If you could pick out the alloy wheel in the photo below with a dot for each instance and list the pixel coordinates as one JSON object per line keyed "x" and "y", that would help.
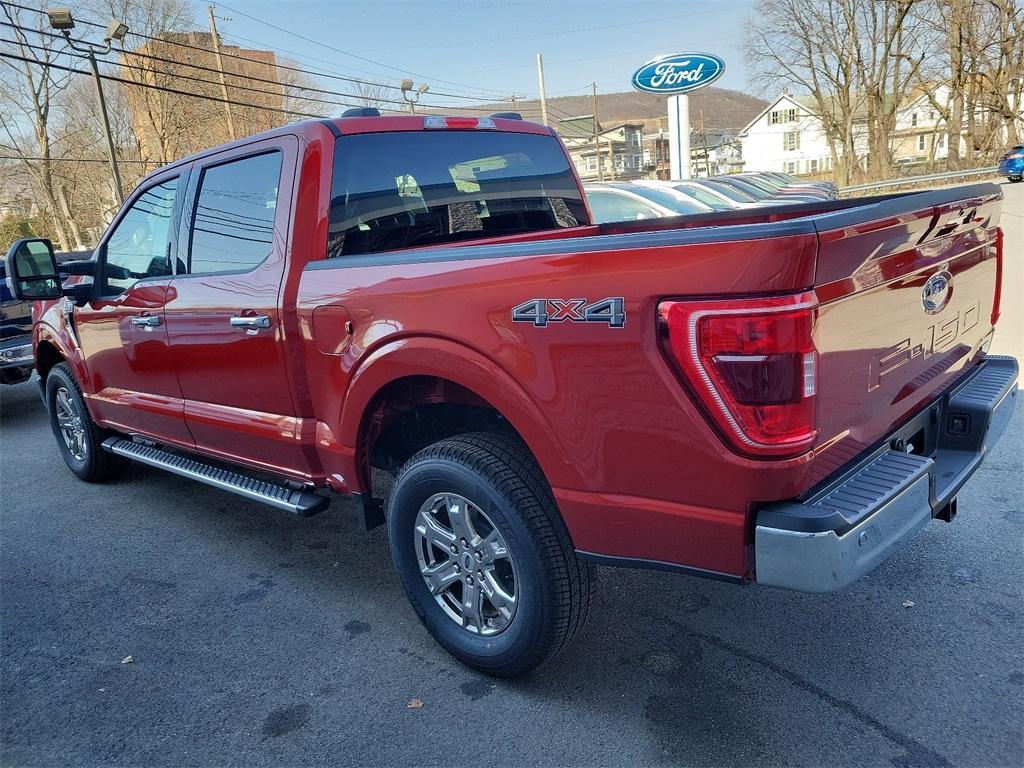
{"x": 466, "y": 564}
{"x": 71, "y": 424}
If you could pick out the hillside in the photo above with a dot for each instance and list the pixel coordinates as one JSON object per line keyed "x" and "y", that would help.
{"x": 724, "y": 110}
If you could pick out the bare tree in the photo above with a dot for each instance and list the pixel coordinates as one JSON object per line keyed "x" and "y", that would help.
{"x": 28, "y": 88}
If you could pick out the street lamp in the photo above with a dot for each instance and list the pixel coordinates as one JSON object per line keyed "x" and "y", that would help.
{"x": 407, "y": 89}
{"x": 62, "y": 21}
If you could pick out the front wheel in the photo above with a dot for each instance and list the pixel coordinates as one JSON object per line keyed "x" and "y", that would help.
{"x": 484, "y": 555}
{"x": 1014, "y": 179}
{"x": 78, "y": 437}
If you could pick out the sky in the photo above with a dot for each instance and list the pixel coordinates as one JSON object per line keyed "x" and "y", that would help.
{"x": 488, "y": 49}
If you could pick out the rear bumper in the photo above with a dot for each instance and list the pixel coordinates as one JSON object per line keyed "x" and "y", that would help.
{"x": 1011, "y": 167}
{"x": 843, "y": 530}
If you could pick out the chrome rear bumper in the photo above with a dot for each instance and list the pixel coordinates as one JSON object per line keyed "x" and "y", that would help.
{"x": 845, "y": 529}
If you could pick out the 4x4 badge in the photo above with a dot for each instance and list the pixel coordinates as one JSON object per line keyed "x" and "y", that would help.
{"x": 541, "y": 312}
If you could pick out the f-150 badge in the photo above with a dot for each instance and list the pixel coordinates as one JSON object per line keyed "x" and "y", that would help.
{"x": 541, "y": 312}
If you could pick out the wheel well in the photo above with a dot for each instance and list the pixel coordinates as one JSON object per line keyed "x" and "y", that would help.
{"x": 47, "y": 356}
{"x": 413, "y": 412}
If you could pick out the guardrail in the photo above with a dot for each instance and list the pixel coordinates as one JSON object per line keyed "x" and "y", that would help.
{"x": 916, "y": 180}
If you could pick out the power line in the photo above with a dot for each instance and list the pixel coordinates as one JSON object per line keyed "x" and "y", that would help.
{"x": 346, "y": 53}
{"x": 165, "y": 89}
{"x": 359, "y": 99}
{"x": 225, "y": 54}
{"x": 72, "y": 159}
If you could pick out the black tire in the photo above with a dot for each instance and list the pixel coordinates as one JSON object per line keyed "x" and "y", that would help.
{"x": 1014, "y": 179}
{"x": 498, "y": 475}
{"x": 94, "y": 465}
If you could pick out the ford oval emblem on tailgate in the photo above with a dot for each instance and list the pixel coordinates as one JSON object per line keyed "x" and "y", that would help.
{"x": 936, "y": 292}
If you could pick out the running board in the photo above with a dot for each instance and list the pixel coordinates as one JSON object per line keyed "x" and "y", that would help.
{"x": 280, "y": 495}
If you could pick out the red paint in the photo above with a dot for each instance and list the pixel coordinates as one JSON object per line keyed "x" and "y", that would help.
{"x": 637, "y": 468}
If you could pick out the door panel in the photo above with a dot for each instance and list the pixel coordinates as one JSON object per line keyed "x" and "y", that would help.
{"x": 133, "y": 384}
{"x": 223, "y": 318}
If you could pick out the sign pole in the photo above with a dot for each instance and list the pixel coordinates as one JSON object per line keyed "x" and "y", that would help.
{"x": 679, "y": 136}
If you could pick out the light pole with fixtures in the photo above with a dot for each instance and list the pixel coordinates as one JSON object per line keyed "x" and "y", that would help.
{"x": 407, "y": 90}
{"x": 62, "y": 21}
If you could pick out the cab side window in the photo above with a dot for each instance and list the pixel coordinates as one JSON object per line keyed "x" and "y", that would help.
{"x": 137, "y": 248}
{"x": 233, "y": 221}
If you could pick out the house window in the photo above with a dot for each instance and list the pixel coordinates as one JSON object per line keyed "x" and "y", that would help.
{"x": 591, "y": 162}
{"x": 940, "y": 141}
{"x": 791, "y": 141}
{"x": 931, "y": 116}
{"x": 782, "y": 116}
{"x": 920, "y": 142}
{"x": 790, "y": 166}
{"x": 913, "y": 119}
{"x": 813, "y": 167}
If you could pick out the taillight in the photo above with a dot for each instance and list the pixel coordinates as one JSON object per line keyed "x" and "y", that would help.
{"x": 752, "y": 365}
{"x": 997, "y": 299}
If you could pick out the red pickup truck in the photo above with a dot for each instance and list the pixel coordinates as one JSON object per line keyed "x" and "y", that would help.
{"x": 779, "y": 396}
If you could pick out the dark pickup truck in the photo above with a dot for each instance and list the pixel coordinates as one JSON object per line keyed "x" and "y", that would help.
{"x": 778, "y": 396}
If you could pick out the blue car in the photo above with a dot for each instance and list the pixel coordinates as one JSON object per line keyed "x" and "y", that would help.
{"x": 1012, "y": 164}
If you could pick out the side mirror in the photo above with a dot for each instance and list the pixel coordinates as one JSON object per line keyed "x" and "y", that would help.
{"x": 32, "y": 270}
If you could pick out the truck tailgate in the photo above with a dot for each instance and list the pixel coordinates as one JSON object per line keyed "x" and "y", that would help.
{"x": 907, "y": 290}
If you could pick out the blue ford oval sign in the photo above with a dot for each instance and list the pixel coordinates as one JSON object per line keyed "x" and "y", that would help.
{"x": 678, "y": 73}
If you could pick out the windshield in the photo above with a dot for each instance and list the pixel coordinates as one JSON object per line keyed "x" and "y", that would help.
{"x": 751, "y": 189}
{"x": 731, "y": 192}
{"x": 671, "y": 200}
{"x": 402, "y": 190}
{"x": 703, "y": 196}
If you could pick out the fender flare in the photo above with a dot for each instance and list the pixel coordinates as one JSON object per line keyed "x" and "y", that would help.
{"x": 44, "y": 332}
{"x": 462, "y": 365}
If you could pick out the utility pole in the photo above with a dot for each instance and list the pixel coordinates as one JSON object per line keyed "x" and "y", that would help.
{"x": 597, "y": 141}
{"x": 102, "y": 104}
{"x": 543, "y": 95}
{"x": 704, "y": 140}
{"x": 62, "y": 21}
{"x": 220, "y": 73}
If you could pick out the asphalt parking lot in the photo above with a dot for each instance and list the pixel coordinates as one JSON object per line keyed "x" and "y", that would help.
{"x": 260, "y": 639}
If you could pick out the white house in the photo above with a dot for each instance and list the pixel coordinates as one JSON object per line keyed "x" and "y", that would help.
{"x": 920, "y": 134}
{"x": 788, "y": 136}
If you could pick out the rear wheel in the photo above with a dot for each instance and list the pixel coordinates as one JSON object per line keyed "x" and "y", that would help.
{"x": 484, "y": 555}
{"x": 1015, "y": 179}
{"x": 78, "y": 437}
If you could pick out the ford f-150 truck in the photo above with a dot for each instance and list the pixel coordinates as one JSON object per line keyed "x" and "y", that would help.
{"x": 778, "y": 396}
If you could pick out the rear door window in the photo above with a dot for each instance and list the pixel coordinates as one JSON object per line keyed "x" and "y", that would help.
{"x": 233, "y": 224}
{"x": 409, "y": 189}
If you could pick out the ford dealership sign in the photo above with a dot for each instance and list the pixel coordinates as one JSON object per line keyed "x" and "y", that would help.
{"x": 678, "y": 73}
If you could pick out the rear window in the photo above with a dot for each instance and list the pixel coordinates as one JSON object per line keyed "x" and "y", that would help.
{"x": 403, "y": 190}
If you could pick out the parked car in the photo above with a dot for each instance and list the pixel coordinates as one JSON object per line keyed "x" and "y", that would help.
{"x": 760, "y": 192}
{"x": 775, "y": 189}
{"x": 709, "y": 198}
{"x": 677, "y": 202}
{"x": 829, "y": 187}
{"x": 16, "y": 360}
{"x": 769, "y": 181}
{"x": 742, "y": 198}
{"x": 428, "y": 296}
{"x": 1012, "y": 164}
{"x": 608, "y": 204}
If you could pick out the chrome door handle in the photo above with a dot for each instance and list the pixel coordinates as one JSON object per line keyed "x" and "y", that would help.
{"x": 149, "y": 321}
{"x": 254, "y": 321}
